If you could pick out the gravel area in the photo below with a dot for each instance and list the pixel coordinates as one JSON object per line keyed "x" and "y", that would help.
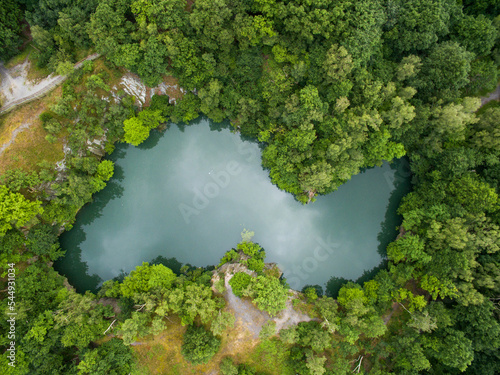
{"x": 250, "y": 317}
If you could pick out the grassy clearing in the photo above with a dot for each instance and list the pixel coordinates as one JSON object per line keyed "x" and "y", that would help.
{"x": 161, "y": 354}
{"x": 29, "y": 147}
{"x": 34, "y": 72}
{"x": 18, "y": 59}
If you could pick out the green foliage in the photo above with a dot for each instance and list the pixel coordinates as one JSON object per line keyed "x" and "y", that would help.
{"x": 310, "y": 294}
{"x": 289, "y": 335}
{"x": 112, "y": 357}
{"x": 312, "y": 335}
{"x": 16, "y": 210}
{"x": 105, "y": 170}
{"x": 227, "y": 367}
{"x": 137, "y": 128}
{"x": 327, "y": 308}
{"x": 58, "y": 29}
{"x": 229, "y": 256}
{"x": 315, "y": 364}
{"x": 409, "y": 249}
{"x": 476, "y": 34}
{"x": 16, "y": 179}
{"x": 147, "y": 278}
{"x": 358, "y": 317}
{"x": 199, "y": 345}
{"x": 445, "y": 71}
{"x": 417, "y": 25}
{"x": 161, "y": 103}
{"x": 220, "y": 285}
{"x": 451, "y": 348}
{"x": 334, "y": 285}
{"x": 81, "y": 320}
{"x": 239, "y": 283}
{"x": 187, "y": 109}
{"x": 268, "y": 330}
{"x": 249, "y": 248}
{"x": 415, "y": 302}
{"x": 328, "y": 87}
{"x": 10, "y": 28}
{"x": 221, "y": 322}
{"x": 197, "y": 301}
{"x": 135, "y": 327}
{"x": 268, "y": 294}
{"x": 42, "y": 240}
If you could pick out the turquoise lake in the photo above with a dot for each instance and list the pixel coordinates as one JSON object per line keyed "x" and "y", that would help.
{"x": 188, "y": 193}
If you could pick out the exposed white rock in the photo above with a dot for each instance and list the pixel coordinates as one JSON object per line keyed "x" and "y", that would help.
{"x": 132, "y": 85}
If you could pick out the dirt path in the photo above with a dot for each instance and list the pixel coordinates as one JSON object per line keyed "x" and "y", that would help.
{"x": 252, "y": 319}
{"x": 247, "y": 315}
{"x": 17, "y": 89}
{"x": 24, "y": 125}
{"x": 495, "y": 95}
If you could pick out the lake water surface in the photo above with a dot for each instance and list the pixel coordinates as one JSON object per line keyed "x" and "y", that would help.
{"x": 190, "y": 191}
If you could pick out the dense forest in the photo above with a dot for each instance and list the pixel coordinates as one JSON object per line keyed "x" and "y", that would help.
{"x": 327, "y": 87}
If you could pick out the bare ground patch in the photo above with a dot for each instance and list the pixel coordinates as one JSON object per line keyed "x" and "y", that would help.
{"x": 250, "y": 318}
{"x": 22, "y": 137}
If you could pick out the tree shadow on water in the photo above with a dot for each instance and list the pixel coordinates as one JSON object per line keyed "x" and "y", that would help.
{"x": 171, "y": 263}
{"x": 402, "y": 187}
{"x": 333, "y": 286}
{"x": 72, "y": 266}
{"x": 113, "y": 190}
{"x": 183, "y": 125}
{"x": 219, "y": 126}
{"x": 153, "y": 139}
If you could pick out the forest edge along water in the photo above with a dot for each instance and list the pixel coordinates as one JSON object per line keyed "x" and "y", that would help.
{"x": 186, "y": 194}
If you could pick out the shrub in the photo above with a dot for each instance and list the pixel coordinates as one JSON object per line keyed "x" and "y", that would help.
{"x": 227, "y": 367}
{"x": 239, "y": 282}
{"x": 219, "y": 286}
{"x": 310, "y": 294}
{"x": 268, "y": 330}
{"x": 199, "y": 345}
{"x": 289, "y": 335}
{"x": 268, "y": 294}
{"x": 228, "y": 257}
{"x": 256, "y": 265}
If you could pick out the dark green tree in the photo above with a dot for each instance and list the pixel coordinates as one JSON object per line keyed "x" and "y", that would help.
{"x": 199, "y": 345}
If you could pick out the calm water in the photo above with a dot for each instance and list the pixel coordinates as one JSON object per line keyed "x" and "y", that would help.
{"x": 190, "y": 191}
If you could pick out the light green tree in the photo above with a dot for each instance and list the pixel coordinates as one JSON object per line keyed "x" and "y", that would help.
{"x": 268, "y": 294}
{"x": 16, "y": 210}
{"x": 221, "y": 322}
{"x": 137, "y": 128}
{"x": 146, "y": 278}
